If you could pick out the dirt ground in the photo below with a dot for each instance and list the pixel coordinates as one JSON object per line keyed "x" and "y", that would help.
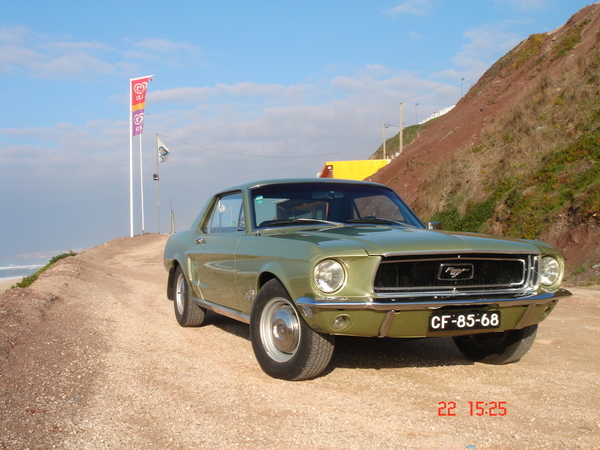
{"x": 92, "y": 358}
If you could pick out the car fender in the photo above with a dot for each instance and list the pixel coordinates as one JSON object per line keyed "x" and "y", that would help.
{"x": 273, "y": 269}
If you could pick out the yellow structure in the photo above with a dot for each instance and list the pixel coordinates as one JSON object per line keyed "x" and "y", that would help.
{"x": 352, "y": 170}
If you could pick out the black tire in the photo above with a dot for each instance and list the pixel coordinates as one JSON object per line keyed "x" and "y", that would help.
{"x": 284, "y": 345}
{"x": 497, "y": 348}
{"x": 187, "y": 312}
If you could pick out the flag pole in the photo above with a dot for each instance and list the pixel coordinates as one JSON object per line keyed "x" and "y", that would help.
{"x": 137, "y": 97}
{"x": 157, "y": 186}
{"x": 130, "y": 163}
{"x": 142, "y": 187}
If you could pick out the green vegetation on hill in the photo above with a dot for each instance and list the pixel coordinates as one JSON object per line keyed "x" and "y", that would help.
{"x": 28, "y": 281}
{"x": 527, "y": 205}
{"x": 533, "y": 163}
{"x": 408, "y": 134}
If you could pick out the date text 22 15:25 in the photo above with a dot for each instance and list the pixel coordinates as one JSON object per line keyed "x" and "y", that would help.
{"x": 492, "y": 409}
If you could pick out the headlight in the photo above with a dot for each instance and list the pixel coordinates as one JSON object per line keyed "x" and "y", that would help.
{"x": 329, "y": 276}
{"x": 550, "y": 271}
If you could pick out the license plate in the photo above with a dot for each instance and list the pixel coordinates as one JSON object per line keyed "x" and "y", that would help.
{"x": 478, "y": 320}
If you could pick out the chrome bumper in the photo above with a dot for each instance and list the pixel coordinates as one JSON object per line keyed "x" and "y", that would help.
{"x": 432, "y": 303}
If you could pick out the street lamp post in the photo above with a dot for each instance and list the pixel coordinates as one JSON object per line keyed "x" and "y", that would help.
{"x": 383, "y": 127}
{"x": 172, "y": 218}
{"x": 461, "y": 87}
{"x": 400, "y": 134}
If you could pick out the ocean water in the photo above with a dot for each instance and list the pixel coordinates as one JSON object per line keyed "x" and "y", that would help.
{"x": 20, "y": 266}
{"x": 18, "y": 271}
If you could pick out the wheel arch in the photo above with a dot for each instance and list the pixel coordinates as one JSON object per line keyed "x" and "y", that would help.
{"x": 265, "y": 277}
{"x": 274, "y": 271}
{"x": 292, "y": 277}
{"x": 171, "y": 280}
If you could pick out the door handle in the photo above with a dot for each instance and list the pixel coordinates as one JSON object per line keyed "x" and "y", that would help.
{"x": 200, "y": 241}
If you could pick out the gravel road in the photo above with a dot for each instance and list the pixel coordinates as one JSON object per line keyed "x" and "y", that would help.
{"x": 92, "y": 358}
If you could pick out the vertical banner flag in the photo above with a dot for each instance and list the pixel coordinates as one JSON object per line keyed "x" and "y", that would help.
{"x": 139, "y": 86}
{"x": 163, "y": 152}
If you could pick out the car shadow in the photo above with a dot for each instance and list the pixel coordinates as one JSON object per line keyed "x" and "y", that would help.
{"x": 388, "y": 353}
{"x": 227, "y": 324}
{"x": 371, "y": 353}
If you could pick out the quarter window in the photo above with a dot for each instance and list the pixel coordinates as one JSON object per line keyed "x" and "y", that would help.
{"x": 227, "y": 215}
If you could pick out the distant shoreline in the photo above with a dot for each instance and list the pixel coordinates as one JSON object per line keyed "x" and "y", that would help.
{"x": 6, "y": 284}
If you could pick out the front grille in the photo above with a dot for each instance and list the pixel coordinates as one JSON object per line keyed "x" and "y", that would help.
{"x": 457, "y": 273}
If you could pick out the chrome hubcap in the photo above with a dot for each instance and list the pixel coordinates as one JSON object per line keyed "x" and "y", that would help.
{"x": 180, "y": 294}
{"x": 280, "y": 329}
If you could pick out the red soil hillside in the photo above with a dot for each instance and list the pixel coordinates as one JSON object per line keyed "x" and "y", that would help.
{"x": 539, "y": 98}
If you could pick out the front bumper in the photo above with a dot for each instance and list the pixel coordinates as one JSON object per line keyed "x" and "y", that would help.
{"x": 409, "y": 317}
{"x": 431, "y": 303}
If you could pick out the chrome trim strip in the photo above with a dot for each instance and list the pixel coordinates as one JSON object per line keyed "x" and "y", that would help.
{"x": 434, "y": 293}
{"x": 465, "y": 252}
{"x": 224, "y": 311}
{"x": 420, "y": 291}
{"x": 435, "y": 303}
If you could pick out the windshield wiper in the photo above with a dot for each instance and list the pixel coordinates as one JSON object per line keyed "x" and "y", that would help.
{"x": 301, "y": 221}
{"x": 379, "y": 221}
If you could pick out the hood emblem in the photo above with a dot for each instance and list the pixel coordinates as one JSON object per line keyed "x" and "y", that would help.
{"x": 455, "y": 272}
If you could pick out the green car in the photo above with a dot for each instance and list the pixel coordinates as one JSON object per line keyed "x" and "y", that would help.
{"x": 304, "y": 260}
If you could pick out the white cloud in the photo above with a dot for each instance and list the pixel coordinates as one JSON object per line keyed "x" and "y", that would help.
{"x": 164, "y": 46}
{"x": 391, "y": 88}
{"x": 14, "y": 57}
{"x": 263, "y": 92}
{"x": 13, "y": 35}
{"x": 62, "y": 47}
{"x": 272, "y": 91}
{"x": 524, "y": 5}
{"x": 416, "y": 7}
{"x": 487, "y": 43}
{"x": 184, "y": 94}
{"x": 71, "y": 65}
{"x": 163, "y": 51}
{"x": 43, "y": 56}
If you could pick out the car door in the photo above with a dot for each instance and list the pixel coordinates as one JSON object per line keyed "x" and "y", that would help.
{"x": 213, "y": 263}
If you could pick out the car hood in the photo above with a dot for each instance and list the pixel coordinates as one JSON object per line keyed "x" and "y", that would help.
{"x": 384, "y": 240}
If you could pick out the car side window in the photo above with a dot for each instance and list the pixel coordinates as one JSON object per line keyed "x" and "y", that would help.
{"x": 227, "y": 215}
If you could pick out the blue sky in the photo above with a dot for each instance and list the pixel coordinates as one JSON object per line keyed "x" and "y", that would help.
{"x": 242, "y": 90}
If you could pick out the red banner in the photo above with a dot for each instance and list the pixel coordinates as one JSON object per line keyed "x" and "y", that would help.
{"x": 139, "y": 87}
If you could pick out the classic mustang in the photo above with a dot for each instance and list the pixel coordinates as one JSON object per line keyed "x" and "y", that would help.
{"x": 304, "y": 260}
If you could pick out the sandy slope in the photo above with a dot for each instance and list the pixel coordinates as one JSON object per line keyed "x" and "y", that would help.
{"x": 4, "y": 285}
{"x": 92, "y": 357}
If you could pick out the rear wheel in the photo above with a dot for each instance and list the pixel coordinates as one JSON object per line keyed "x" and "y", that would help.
{"x": 187, "y": 312}
{"x": 497, "y": 348}
{"x": 284, "y": 345}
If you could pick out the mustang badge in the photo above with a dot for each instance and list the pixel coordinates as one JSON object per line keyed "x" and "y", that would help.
{"x": 455, "y": 272}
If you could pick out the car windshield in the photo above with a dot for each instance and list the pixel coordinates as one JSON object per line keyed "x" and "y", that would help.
{"x": 288, "y": 204}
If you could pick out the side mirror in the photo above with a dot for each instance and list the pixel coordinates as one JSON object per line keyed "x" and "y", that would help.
{"x": 434, "y": 225}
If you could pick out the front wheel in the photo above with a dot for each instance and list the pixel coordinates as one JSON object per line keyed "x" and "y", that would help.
{"x": 187, "y": 312}
{"x": 284, "y": 345}
{"x": 497, "y": 348}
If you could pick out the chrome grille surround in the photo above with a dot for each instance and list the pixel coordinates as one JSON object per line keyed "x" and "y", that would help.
{"x": 456, "y": 274}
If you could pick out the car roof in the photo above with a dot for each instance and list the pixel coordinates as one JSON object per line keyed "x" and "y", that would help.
{"x": 253, "y": 184}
